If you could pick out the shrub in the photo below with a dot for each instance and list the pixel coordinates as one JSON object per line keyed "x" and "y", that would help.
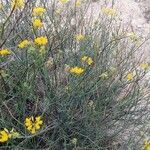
{"x": 68, "y": 80}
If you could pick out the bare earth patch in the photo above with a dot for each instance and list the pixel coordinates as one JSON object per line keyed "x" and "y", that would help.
{"x": 136, "y": 15}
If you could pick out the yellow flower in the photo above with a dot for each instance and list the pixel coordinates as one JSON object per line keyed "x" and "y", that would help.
{"x": 38, "y": 11}
{"x": 33, "y": 124}
{"x": 4, "y": 136}
{"x": 78, "y": 3}
{"x": 12, "y": 134}
{"x": 109, "y": 11}
{"x": 76, "y": 70}
{"x": 130, "y": 76}
{"x": 132, "y": 36}
{"x": 17, "y": 3}
{"x": 84, "y": 58}
{"x": 104, "y": 75}
{"x": 42, "y": 40}
{"x": 146, "y": 145}
{"x": 74, "y": 141}
{"x": 4, "y": 52}
{"x": 87, "y": 59}
{"x": 79, "y": 37}
{"x": 23, "y": 44}
{"x": 144, "y": 65}
{"x": 37, "y": 23}
{"x": 64, "y": 1}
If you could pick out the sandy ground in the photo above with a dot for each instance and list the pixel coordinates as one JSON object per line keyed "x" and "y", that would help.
{"x": 133, "y": 13}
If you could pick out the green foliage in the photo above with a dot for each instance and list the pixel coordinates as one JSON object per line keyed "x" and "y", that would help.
{"x": 85, "y": 111}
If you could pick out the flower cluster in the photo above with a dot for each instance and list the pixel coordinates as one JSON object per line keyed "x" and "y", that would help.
{"x": 133, "y": 37}
{"x": 144, "y": 65}
{"x": 23, "y": 44}
{"x": 64, "y": 1}
{"x": 87, "y": 59}
{"x": 146, "y": 145}
{"x": 33, "y": 124}
{"x": 42, "y": 40}
{"x": 130, "y": 76}
{"x": 5, "y": 135}
{"x": 4, "y": 52}
{"x": 79, "y": 37}
{"x": 78, "y": 3}
{"x": 76, "y": 70}
{"x": 109, "y": 11}
{"x": 37, "y": 23}
{"x": 38, "y": 11}
{"x": 17, "y": 3}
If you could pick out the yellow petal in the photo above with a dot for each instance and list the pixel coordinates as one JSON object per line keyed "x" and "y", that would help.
{"x": 28, "y": 120}
{"x": 28, "y": 124}
{"x": 4, "y": 136}
{"x": 29, "y": 128}
{"x": 33, "y": 131}
{"x": 37, "y": 126}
